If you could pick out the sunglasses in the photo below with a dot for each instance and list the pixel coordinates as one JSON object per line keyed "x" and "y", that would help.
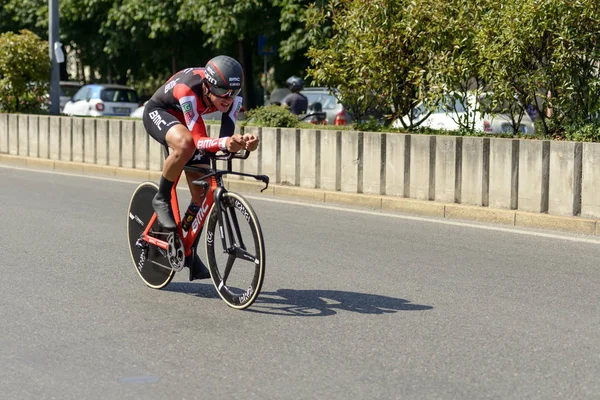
{"x": 224, "y": 93}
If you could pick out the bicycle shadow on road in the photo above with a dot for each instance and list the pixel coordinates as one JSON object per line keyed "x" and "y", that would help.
{"x": 205, "y": 291}
{"x": 309, "y": 303}
{"x": 321, "y": 303}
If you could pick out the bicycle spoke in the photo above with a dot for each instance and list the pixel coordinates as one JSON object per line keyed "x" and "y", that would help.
{"x": 230, "y": 261}
{"x": 244, "y": 255}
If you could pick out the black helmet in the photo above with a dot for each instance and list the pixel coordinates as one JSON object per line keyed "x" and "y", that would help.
{"x": 295, "y": 83}
{"x": 224, "y": 76}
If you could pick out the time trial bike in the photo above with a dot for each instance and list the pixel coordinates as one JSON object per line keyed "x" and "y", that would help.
{"x": 233, "y": 236}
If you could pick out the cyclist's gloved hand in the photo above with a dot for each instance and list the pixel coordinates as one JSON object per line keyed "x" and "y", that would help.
{"x": 235, "y": 143}
{"x": 251, "y": 142}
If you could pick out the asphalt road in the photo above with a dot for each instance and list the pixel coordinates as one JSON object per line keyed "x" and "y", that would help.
{"x": 355, "y": 305}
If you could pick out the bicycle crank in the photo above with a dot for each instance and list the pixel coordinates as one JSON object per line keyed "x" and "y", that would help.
{"x": 175, "y": 252}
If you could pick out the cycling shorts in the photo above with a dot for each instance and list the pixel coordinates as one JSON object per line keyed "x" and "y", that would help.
{"x": 157, "y": 121}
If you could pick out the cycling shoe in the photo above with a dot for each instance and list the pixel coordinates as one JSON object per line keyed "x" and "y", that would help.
{"x": 164, "y": 213}
{"x": 198, "y": 270}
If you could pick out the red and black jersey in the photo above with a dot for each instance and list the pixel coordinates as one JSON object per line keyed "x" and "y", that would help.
{"x": 182, "y": 96}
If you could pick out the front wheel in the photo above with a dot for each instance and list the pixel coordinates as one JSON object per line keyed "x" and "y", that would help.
{"x": 240, "y": 242}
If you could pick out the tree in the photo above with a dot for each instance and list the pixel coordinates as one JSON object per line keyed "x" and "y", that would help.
{"x": 546, "y": 55}
{"x": 24, "y": 14}
{"x": 456, "y": 64}
{"x": 375, "y": 55}
{"x": 24, "y": 71}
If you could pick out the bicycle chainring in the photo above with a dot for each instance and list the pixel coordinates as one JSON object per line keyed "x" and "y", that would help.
{"x": 175, "y": 253}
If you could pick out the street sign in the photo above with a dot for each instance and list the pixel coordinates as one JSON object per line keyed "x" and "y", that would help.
{"x": 264, "y": 47}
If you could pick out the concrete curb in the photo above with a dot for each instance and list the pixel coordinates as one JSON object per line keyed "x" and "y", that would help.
{"x": 378, "y": 203}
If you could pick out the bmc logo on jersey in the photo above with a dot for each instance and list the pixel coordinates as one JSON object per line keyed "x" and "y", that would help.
{"x": 170, "y": 85}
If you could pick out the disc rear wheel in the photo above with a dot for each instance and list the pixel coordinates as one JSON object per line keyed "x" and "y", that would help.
{"x": 150, "y": 262}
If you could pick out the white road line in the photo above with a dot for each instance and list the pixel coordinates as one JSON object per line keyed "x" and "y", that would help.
{"x": 432, "y": 220}
{"x": 343, "y": 209}
{"x": 43, "y": 171}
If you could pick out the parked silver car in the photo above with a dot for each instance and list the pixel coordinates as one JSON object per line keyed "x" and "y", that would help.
{"x": 335, "y": 111}
{"x": 103, "y": 100}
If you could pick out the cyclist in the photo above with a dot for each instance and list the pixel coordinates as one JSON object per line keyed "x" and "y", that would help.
{"x": 172, "y": 116}
{"x": 295, "y": 101}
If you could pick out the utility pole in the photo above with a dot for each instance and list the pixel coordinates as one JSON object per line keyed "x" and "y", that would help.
{"x": 54, "y": 47}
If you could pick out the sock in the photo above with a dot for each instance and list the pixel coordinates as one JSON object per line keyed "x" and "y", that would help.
{"x": 164, "y": 189}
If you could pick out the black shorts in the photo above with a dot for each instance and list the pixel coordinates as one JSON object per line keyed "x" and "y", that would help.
{"x": 157, "y": 122}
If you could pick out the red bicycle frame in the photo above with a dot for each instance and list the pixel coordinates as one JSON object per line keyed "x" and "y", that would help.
{"x": 188, "y": 237}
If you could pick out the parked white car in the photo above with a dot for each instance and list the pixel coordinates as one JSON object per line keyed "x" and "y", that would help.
{"x": 103, "y": 100}
{"x": 68, "y": 89}
{"x": 139, "y": 112}
{"x": 450, "y": 110}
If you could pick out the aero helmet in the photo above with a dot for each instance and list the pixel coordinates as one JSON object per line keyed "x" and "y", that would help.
{"x": 295, "y": 83}
{"x": 224, "y": 76}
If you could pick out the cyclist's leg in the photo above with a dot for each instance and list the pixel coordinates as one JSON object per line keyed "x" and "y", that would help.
{"x": 197, "y": 268}
{"x": 167, "y": 129}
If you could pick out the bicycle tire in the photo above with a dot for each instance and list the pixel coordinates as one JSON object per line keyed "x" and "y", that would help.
{"x": 235, "y": 209}
{"x": 150, "y": 262}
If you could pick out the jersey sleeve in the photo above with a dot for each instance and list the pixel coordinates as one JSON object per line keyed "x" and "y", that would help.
{"x": 229, "y": 118}
{"x": 190, "y": 103}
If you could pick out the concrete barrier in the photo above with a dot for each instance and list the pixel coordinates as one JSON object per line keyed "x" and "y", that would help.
{"x": 44, "y": 137}
{"x": 13, "y": 134}
{"x": 475, "y": 171}
{"x": 251, "y": 164}
{"x": 534, "y": 162}
{"x": 447, "y": 169}
{"x": 422, "y": 167}
{"x": 54, "y": 138}
{"x": 529, "y": 176}
{"x": 372, "y": 175}
{"x": 503, "y": 181}
{"x": 127, "y": 144}
{"x": 270, "y": 152}
{"x": 89, "y": 140}
{"x": 23, "y": 135}
{"x": 564, "y": 181}
{"x": 78, "y": 139}
{"x": 4, "y": 129}
{"x": 329, "y": 154}
{"x": 396, "y": 165}
{"x": 102, "y": 142}
{"x": 310, "y": 141}
{"x": 590, "y": 200}
{"x": 350, "y": 161}
{"x": 33, "y": 135}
